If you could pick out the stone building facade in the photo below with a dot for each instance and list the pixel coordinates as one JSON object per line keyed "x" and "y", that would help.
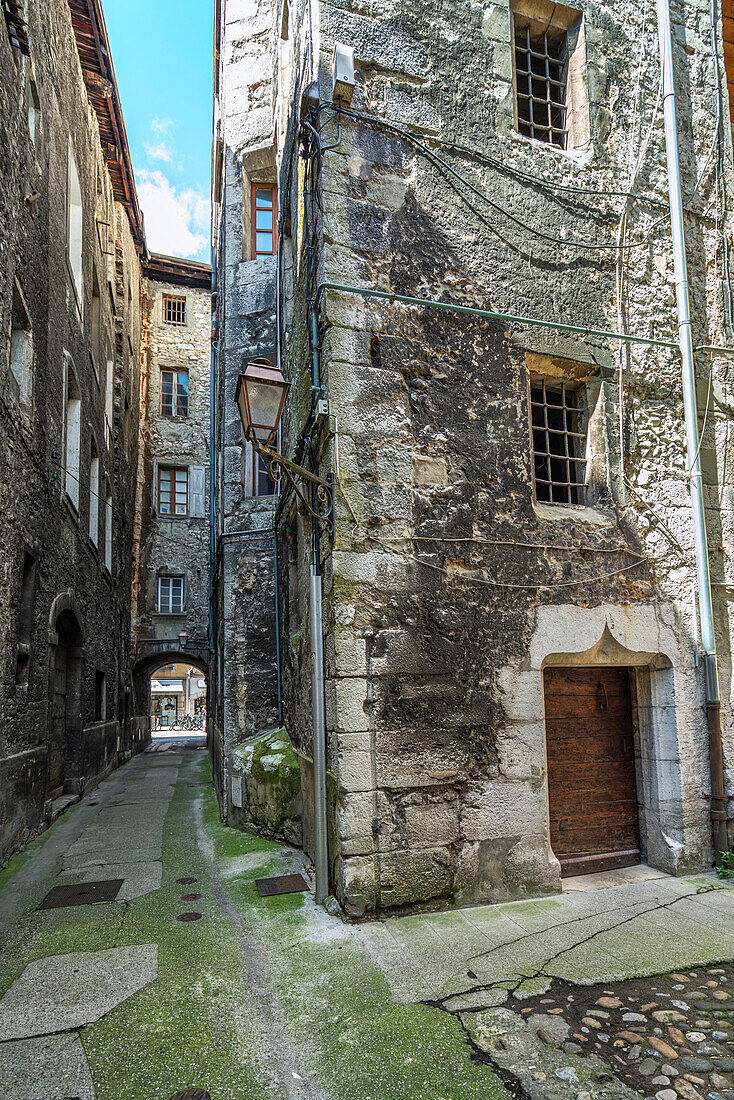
{"x": 71, "y": 238}
{"x": 172, "y": 533}
{"x": 513, "y": 682}
{"x": 244, "y": 668}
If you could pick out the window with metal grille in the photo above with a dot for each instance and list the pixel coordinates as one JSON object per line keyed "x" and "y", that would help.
{"x": 170, "y": 601}
{"x": 174, "y": 393}
{"x": 541, "y": 74}
{"x": 173, "y": 490}
{"x": 174, "y": 309}
{"x": 559, "y": 442}
{"x": 264, "y": 214}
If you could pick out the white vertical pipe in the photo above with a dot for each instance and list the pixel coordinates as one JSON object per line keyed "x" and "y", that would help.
{"x": 321, "y": 851}
{"x": 690, "y": 411}
{"x": 685, "y": 339}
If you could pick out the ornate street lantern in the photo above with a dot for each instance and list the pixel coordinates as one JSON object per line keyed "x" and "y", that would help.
{"x": 261, "y": 394}
{"x": 183, "y": 639}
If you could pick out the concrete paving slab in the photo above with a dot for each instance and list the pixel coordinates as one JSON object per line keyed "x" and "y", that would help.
{"x": 407, "y": 983}
{"x": 50, "y": 1068}
{"x": 62, "y": 992}
{"x": 138, "y": 878}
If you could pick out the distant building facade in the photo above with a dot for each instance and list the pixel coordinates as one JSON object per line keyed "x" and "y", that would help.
{"x": 71, "y": 239}
{"x": 170, "y": 595}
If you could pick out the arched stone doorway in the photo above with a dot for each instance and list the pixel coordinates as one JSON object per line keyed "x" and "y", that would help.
{"x": 65, "y": 721}
{"x": 161, "y": 656}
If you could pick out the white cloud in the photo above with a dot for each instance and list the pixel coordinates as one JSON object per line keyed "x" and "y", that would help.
{"x": 161, "y": 125}
{"x": 176, "y": 220}
{"x": 161, "y": 151}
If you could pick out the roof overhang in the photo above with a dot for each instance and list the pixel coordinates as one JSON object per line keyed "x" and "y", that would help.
{"x": 99, "y": 78}
{"x": 171, "y": 269}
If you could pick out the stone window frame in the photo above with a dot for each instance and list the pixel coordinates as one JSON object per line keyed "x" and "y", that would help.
{"x": 177, "y": 300}
{"x": 158, "y": 603}
{"x": 174, "y": 369}
{"x": 263, "y": 173}
{"x": 75, "y": 228}
{"x": 20, "y": 347}
{"x": 26, "y": 603}
{"x": 71, "y": 436}
{"x": 250, "y": 472}
{"x": 172, "y": 469}
{"x": 555, "y": 369}
{"x": 543, "y": 15}
{"x": 95, "y": 484}
{"x": 272, "y": 187}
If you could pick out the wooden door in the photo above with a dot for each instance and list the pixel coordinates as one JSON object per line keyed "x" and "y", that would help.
{"x": 592, "y": 788}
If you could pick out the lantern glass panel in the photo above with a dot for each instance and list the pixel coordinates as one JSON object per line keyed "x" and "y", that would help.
{"x": 264, "y": 401}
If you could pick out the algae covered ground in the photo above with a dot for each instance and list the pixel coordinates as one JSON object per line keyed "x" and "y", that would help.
{"x": 259, "y": 998}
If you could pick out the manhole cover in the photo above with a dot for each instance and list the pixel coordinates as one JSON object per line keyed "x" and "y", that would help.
{"x": 191, "y": 1094}
{"x": 190, "y": 897}
{"x": 209, "y": 784}
{"x": 81, "y": 893}
{"x": 188, "y": 916}
{"x": 185, "y": 881}
{"x": 280, "y": 884}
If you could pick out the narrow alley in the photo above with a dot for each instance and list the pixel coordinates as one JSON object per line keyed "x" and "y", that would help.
{"x": 181, "y": 977}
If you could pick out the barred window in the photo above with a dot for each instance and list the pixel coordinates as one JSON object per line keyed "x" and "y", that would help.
{"x": 541, "y": 74}
{"x": 174, "y": 309}
{"x": 559, "y": 441}
{"x": 173, "y": 490}
{"x": 174, "y": 393}
{"x": 170, "y": 600}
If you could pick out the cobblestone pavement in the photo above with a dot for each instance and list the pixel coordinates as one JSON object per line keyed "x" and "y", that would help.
{"x": 669, "y": 1036}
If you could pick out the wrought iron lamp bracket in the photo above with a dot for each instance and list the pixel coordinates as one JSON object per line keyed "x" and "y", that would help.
{"x": 279, "y": 465}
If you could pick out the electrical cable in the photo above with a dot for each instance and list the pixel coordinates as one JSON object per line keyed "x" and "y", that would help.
{"x": 438, "y": 161}
{"x": 485, "y": 581}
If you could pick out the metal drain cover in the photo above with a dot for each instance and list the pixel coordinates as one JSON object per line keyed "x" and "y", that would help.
{"x": 188, "y": 916}
{"x": 185, "y": 881}
{"x": 191, "y": 1094}
{"x": 280, "y": 884}
{"x": 82, "y": 893}
{"x": 190, "y": 897}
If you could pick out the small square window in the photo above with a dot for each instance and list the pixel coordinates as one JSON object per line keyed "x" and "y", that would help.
{"x": 264, "y": 213}
{"x": 174, "y": 309}
{"x": 558, "y": 422}
{"x": 170, "y": 596}
{"x": 174, "y": 393}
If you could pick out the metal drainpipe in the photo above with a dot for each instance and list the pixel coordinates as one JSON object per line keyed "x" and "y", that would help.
{"x": 708, "y": 640}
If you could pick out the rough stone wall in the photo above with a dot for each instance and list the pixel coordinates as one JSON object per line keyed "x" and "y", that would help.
{"x": 175, "y": 545}
{"x": 454, "y": 590}
{"x": 245, "y": 609}
{"x": 38, "y": 518}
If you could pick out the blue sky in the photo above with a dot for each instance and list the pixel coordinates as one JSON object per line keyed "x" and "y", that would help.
{"x": 162, "y": 53}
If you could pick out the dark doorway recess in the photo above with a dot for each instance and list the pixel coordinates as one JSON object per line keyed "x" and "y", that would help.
{"x": 65, "y": 719}
{"x": 592, "y": 788}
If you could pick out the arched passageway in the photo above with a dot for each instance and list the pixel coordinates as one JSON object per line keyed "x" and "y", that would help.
{"x": 172, "y": 688}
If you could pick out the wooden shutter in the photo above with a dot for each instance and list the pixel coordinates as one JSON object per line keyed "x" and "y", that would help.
{"x": 197, "y": 491}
